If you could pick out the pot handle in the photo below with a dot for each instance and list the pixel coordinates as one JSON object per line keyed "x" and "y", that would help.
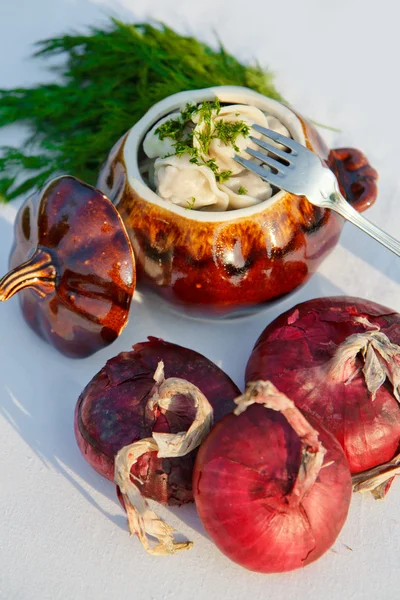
{"x": 356, "y": 178}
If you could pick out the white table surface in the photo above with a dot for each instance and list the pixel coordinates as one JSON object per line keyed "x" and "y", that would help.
{"x": 62, "y": 532}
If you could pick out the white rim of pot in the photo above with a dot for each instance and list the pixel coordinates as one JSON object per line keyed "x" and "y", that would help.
{"x": 232, "y": 94}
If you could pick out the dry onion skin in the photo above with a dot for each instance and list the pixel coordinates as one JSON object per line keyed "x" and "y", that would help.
{"x": 139, "y": 422}
{"x": 338, "y": 358}
{"x": 272, "y": 487}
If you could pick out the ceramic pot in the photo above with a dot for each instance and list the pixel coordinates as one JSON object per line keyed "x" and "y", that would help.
{"x": 215, "y": 263}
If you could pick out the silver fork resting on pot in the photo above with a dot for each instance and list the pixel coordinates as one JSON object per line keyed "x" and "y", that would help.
{"x": 299, "y": 171}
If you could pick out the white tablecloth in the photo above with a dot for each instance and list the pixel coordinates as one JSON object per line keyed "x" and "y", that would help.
{"x": 62, "y": 533}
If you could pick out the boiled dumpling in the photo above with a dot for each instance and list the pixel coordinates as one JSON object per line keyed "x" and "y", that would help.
{"x": 194, "y": 184}
{"x": 153, "y": 146}
{"x": 188, "y": 185}
{"x": 276, "y": 125}
{"x": 253, "y": 188}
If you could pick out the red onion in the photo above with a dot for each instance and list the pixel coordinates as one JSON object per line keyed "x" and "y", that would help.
{"x": 139, "y": 429}
{"x": 261, "y": 488}
{"x": 339, "y": 360}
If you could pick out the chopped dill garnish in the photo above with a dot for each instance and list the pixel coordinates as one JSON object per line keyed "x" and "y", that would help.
{"x": 220, "y": 176}
{"x": 190, "y": 203}
{"x": 241, "y": 191}
{"x": 174, "y": 128}
{"x": 223, "y": 176}
{"x": 226, "y": 131}
{"x": 206, "y": 110}
{"x": 184, "y": 147}
{"x": 229, "y": 131}
{"x": 204, "y": 138}
{"x": 170, "y": 129}
{"x": 187, "y": 112}
{"x": 211, "y": 163}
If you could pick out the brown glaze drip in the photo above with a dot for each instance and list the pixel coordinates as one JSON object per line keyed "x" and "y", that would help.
{"x": 38, "y": 273}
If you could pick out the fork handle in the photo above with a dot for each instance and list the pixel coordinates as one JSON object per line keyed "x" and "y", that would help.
{"x": 339, "y": 204}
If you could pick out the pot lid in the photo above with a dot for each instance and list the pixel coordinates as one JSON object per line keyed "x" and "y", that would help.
{"x": 73, "y": 266}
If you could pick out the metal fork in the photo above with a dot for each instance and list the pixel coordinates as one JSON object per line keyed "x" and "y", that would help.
{"x": 301, "y": 172}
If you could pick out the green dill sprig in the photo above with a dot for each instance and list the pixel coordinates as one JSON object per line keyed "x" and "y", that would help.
{"x": 190, "y": 203}
{"x": 187, "y": 112}
{"x": 229, "y": 131}
{"x": 184, "y": 147}
{"x": 105, "y": 82}
{"x": 170, "y": 129}
{"x": 242, "y": 191}
{"x": 207, "y": 109}
{"x": 223, "y": 176}
{"x": 204, "y": 138}
{"x": 174, "y": 128}
{"x": 226, "y": 131}
{"x": 220, "y": 176}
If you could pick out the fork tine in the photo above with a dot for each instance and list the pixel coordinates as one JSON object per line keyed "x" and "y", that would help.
{"x": 277, "y": 137}
{"x": 268, "y": 160}
{"x": 268, "y": 176}
{"x": 273, "y": 149}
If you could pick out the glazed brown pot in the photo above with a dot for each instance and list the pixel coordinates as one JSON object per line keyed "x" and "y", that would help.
{"x": 217, "y": 263}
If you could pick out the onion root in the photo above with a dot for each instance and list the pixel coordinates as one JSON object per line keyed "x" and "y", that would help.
{"x": 141, "y": 519}
{"x": 312, "y": 453}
